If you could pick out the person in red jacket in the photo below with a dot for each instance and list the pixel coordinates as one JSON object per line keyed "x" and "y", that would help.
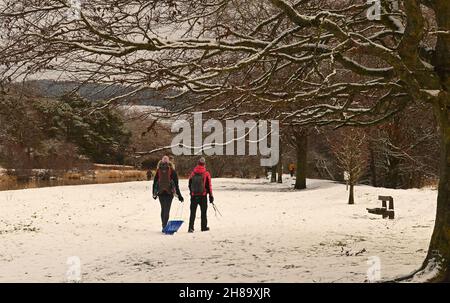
{"x": 199, "y": 187}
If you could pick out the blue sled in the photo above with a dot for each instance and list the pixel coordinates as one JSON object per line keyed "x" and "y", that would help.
{"x": 172, "y": 227}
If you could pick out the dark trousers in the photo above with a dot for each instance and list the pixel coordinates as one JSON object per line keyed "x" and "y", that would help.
{"x": 203, "y": 202}
{"x": 165, "y": 201}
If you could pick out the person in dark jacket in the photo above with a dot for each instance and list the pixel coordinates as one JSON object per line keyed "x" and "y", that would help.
{"x": 199, "y": 187}
{"x": 165, "y": 185}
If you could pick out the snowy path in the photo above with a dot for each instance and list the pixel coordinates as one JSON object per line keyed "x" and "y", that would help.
{"x": 268, "y": 233}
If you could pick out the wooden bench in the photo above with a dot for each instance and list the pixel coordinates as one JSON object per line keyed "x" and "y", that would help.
{"x": 385, "y": 210}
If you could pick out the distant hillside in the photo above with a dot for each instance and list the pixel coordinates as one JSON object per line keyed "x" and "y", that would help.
{"x": 97, "y": 92}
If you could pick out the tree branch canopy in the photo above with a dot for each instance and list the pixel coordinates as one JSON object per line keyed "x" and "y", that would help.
{"x": 305, "y": 62}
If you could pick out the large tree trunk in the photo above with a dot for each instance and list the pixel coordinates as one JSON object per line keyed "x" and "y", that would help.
{"x": 438, "y": 257}
{"x": 351, "y": 196}
{"x": 435, "y": 268}
{"x": 439, "y": 251}
{"x": 301, "y": 141}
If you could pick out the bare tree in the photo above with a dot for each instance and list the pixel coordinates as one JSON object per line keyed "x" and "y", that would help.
{"x": 350, "y": 148}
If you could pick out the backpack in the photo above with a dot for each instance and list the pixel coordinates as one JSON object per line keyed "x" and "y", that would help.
{"x": 198, "y": 184}
{"x": 165, "y": 180}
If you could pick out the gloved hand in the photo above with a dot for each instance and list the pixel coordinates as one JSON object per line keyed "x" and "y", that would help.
{"x": 211, "y": 199}
{"x": 180, "y": 197}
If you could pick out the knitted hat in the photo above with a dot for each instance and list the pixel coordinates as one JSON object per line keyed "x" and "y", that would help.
{"x": 201, "y": 161}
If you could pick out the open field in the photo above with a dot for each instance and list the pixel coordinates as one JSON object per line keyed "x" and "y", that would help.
{"x": 268, "y": 233}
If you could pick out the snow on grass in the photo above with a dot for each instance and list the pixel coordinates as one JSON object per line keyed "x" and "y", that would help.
{"x": 268, "y": 233}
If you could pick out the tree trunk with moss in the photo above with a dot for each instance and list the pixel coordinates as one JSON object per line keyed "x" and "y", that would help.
{"x": 438, "y": 256}
{"x": 439, "y": 251}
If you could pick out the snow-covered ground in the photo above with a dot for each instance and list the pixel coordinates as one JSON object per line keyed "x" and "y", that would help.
{"x": 268, "y": 233}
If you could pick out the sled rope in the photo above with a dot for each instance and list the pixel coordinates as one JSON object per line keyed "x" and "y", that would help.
{"x": 178, "y": 213}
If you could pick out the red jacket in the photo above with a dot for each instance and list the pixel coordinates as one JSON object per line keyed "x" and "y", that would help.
{"x": 199, "y": 169}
